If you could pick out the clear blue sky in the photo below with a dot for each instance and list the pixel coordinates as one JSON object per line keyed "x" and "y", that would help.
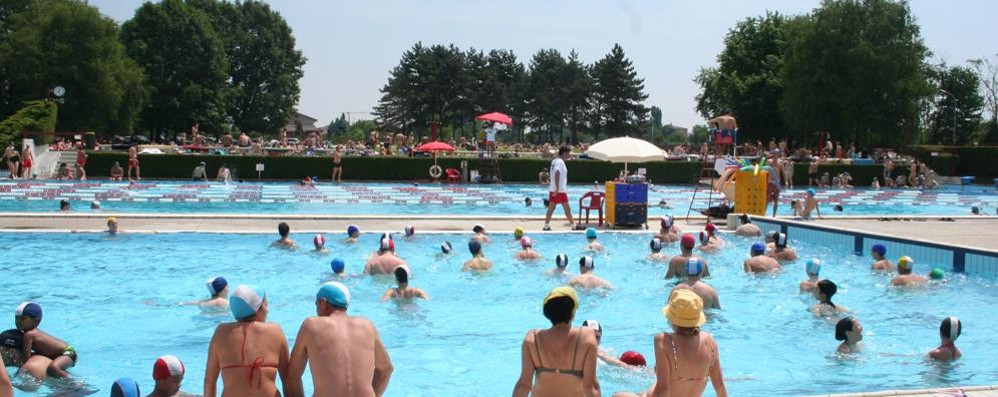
{"x": 351, "y": 45}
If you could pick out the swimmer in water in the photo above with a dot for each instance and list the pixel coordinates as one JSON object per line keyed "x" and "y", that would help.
{"x": 880, "y": 261}
{"x": 656, "y": 251}
{"x": 125, "y": 387}
{"x": 410, "y": 232}
{"x": 694, "y": 272}
{"x": 446, "y": 248}
{"x": 949, "y": 330}
{"x": 560, "y": 266}
{"x": 218, "y": 287}
{"x": 780, "y": 251}
{"x": 320, "y": 244}
{"x": 481, "y": 235}
{"x": 850, "y": 332}
{"x": 528, "y": 253}
{"x": 403, "y": 292}
{"x": 824, "y": 293}
{"x": 478, "y": 262}
{"x": 284, "y": 230}
{"x": 706, "y": 243}
{"x": 27, "y": 317}
{"x": 812, "y": 269}
{"x": 112, "y": 226}
{"x": 338, "y": 266}
{"x": 771, "y": 240}
{"x": 711, "y": 230}
{"x": 95, "y": 206}
{"x": 759, "y": 262}
{"x": 905, "y": 275}
{"x": 668, "y": 231}
{"x": 353, "y": 234}
{"x": 747, "y": 229}
{"x": 810, "y": 205}
{"x": 64, "y": 205}
{"x": 385, "y": 261}
{"x": 586, "y": 278}
{"x": 677, "y": 264}
{"x": 168, "y": 372}
{"x": 601, "y": 354}
{"x": 593, "y": 245}
{"x": 517, "y": 234}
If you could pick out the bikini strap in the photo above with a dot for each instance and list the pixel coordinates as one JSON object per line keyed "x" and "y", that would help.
{"x": 537, "y": 348}
{"x": 576, "y": 353}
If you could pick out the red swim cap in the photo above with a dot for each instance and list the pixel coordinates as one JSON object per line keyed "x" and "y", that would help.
{"x": 711, "y": 228}
{"x": 633, "y": 358}
{"x": 166, "y": 367}
{"x": 688, "y": 240}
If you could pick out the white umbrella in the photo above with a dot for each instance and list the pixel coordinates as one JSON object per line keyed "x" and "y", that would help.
{"x": 625, "y": 150}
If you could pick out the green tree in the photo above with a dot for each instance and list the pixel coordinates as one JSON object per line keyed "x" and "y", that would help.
{"x": 35, "y": 116}
{"x": 617, "y": 96}
{"x": 175, "y": 43}
{"x": 957, "y": 86}
{"x": 579, "y": 86}
{"x": 855, "y": 68}
{"x": 655, "y": 128}
{"x": 545, "y": 105}
{"x": 339, "y": 126}
{"x": 69, "y": 43}
{"x": 399, "y": 107}
{"x": 987, "y": 72}
{"x": 264, "y": 66}
{"x": 747, "y": 78}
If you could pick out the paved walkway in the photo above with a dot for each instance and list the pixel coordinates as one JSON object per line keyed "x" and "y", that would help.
{"x": 972, "y": 232}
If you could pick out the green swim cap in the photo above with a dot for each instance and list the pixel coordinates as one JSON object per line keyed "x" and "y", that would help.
{"x": 937, "y": 274}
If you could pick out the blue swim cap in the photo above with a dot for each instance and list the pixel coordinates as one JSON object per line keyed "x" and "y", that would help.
{"x": 879, "y": 249}
{"x": 217, "y": 284}
{"x": 446, "y": 247}
{"x": 125, "y": 387}
{"x": 30, "y": 309}
{"x": 811, "y": 192}
{"x": 591, "y": 233}
{"x": 246, "y": 300}
{"x": 758, "y": 248}
{"x": 694, "y": 267}
{"x": 813, "y": 266}
{"x": 337, "y": 265}
{"x": 335, "y": 293}
{"x": 352, "y": 229}
{"x": 475, "y": 247}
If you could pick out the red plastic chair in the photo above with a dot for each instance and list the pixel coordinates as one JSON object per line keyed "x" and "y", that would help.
{"x": 595, "y": 203}
{"x": 453, "y": 175}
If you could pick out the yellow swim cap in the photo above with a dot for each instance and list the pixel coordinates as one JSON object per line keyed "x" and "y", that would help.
{"x": 906, "y": 262}
{"x": 563, "y": 291}
{"x": 518, "y": 232}
{"x": 112, "y": 219}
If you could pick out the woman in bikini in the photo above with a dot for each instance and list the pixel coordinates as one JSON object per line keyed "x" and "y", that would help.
{"x": 249, "y": 353}
{"x": 13, "y": 160}
{"x": 561, "y": 360}
{"x": 687, "y": 357}
{"x": 403, "y": 292}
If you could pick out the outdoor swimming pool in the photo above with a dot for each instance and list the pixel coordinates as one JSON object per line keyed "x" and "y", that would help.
{"x": 436, "y": 199}
{"x": 115, "y": 299}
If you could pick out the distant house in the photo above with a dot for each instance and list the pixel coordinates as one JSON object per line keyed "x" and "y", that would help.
{"x": 680, "y": 130}
{"x": 307, "y": 123}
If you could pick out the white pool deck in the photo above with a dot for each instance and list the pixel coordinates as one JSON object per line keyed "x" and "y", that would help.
{"x": 973, "y": 391}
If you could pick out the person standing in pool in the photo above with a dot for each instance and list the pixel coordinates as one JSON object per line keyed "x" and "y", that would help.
{"x": 112, "y": 226}
{"x": 707, "y": 244}
{"x": 823, "y": 293}
{"x": 353, "y": 234}
{"x": 677, "y": 264}
{"x": 168, "y": 372}
{"x": 385, "y": 261}
{"x": 27, "y": 317}
{"x": 560, "y": 266}
{"x": 403, "y": 292}
{"x": 759, "y": 262}
{"x": 284, "y": 230}
{"x": 561, "y": 360}
{"x": 558, "y": 188}
{"x": 694, "y": 271}
{"x": 813, "y": 268}
{"x": 850, "y": 332}
{"x": 905, "y": 275}
{"x": 711, "y": 230}
{"x": 668, "y": 231}
{"x": 747, "y": 229}
{"x": 319, "y": 241}
{"x": 528, "y": 253}
{"x": 949, "y": 330}
{"x": 781, "y": 251}
{"x": 481, "y": 235}
{"x": 586, "y": 278}
{"x": 6, "y": 388}
{"x": 478, "y": 262}
{"x": 656, "y": 254}
{"x": 250, "y": 353}
{"x": 345, "y": 353}
{"x": 880, "y": 261}
{"x": 593, "y": 245}
{"x": 218, "y": 287}
{"x": 687, "y": 357}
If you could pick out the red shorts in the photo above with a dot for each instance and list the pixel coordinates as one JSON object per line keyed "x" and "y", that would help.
{"x": 557, "y": 198}
{"x": 27, "y": 163}
{"x": 133, "y": 162}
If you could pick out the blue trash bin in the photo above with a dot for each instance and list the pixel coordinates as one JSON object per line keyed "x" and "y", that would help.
{"x": 966, "y": 180}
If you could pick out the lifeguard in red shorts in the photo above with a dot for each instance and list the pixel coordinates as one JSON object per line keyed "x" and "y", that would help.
{"x": 558, "y": 187}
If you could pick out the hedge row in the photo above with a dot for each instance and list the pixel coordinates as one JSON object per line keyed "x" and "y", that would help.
{"x": 979, "y": 161}
{"x": 173, "y": 166}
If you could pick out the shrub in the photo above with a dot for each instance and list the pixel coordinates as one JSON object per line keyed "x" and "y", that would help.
{"x": 35, "y": 116}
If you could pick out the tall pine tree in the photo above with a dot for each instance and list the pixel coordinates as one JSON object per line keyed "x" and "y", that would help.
{"x": 617, "y": 96}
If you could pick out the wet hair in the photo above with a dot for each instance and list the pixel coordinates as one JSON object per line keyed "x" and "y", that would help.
{"x": 975, "y": 210}
{"x": 559, "y": 310}
{"x": 947, "y": 325}
{"x": 564, "y": 150}
{"x": 844, "y": 325}
{"x": 745, "y": 219}
{"x": 64, "y": 204}
{"x": 827, "y": 288}
{"x": 400, "y": 275}
{"x": 838, "y": 207}
{"x": 283, "y": 229}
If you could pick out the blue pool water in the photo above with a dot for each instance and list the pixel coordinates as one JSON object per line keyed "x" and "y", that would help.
{"x": 437, "y": 199}
{"x": 115, "y": 299}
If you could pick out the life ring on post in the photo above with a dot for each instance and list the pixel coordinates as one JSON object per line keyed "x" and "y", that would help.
{"x": 436, "y": 171}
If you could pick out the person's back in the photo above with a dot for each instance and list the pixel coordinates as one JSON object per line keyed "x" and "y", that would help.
{"x": 690, "y": 359}
{"x": 761, "y": 264}
{"x": 384, "y": 263}
{"x": 748, "y": 230}
{"x": 707, "y": 293}
{"x": 334, "y": 341}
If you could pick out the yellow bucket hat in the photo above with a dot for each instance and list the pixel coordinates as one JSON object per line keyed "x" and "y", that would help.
{"x": 685, "y": 309}
{"x": 563, "y": 291}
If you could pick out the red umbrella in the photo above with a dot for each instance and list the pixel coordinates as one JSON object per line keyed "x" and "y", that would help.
{"x": 435, "y": 146}
{"x": 496, "y": 117}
